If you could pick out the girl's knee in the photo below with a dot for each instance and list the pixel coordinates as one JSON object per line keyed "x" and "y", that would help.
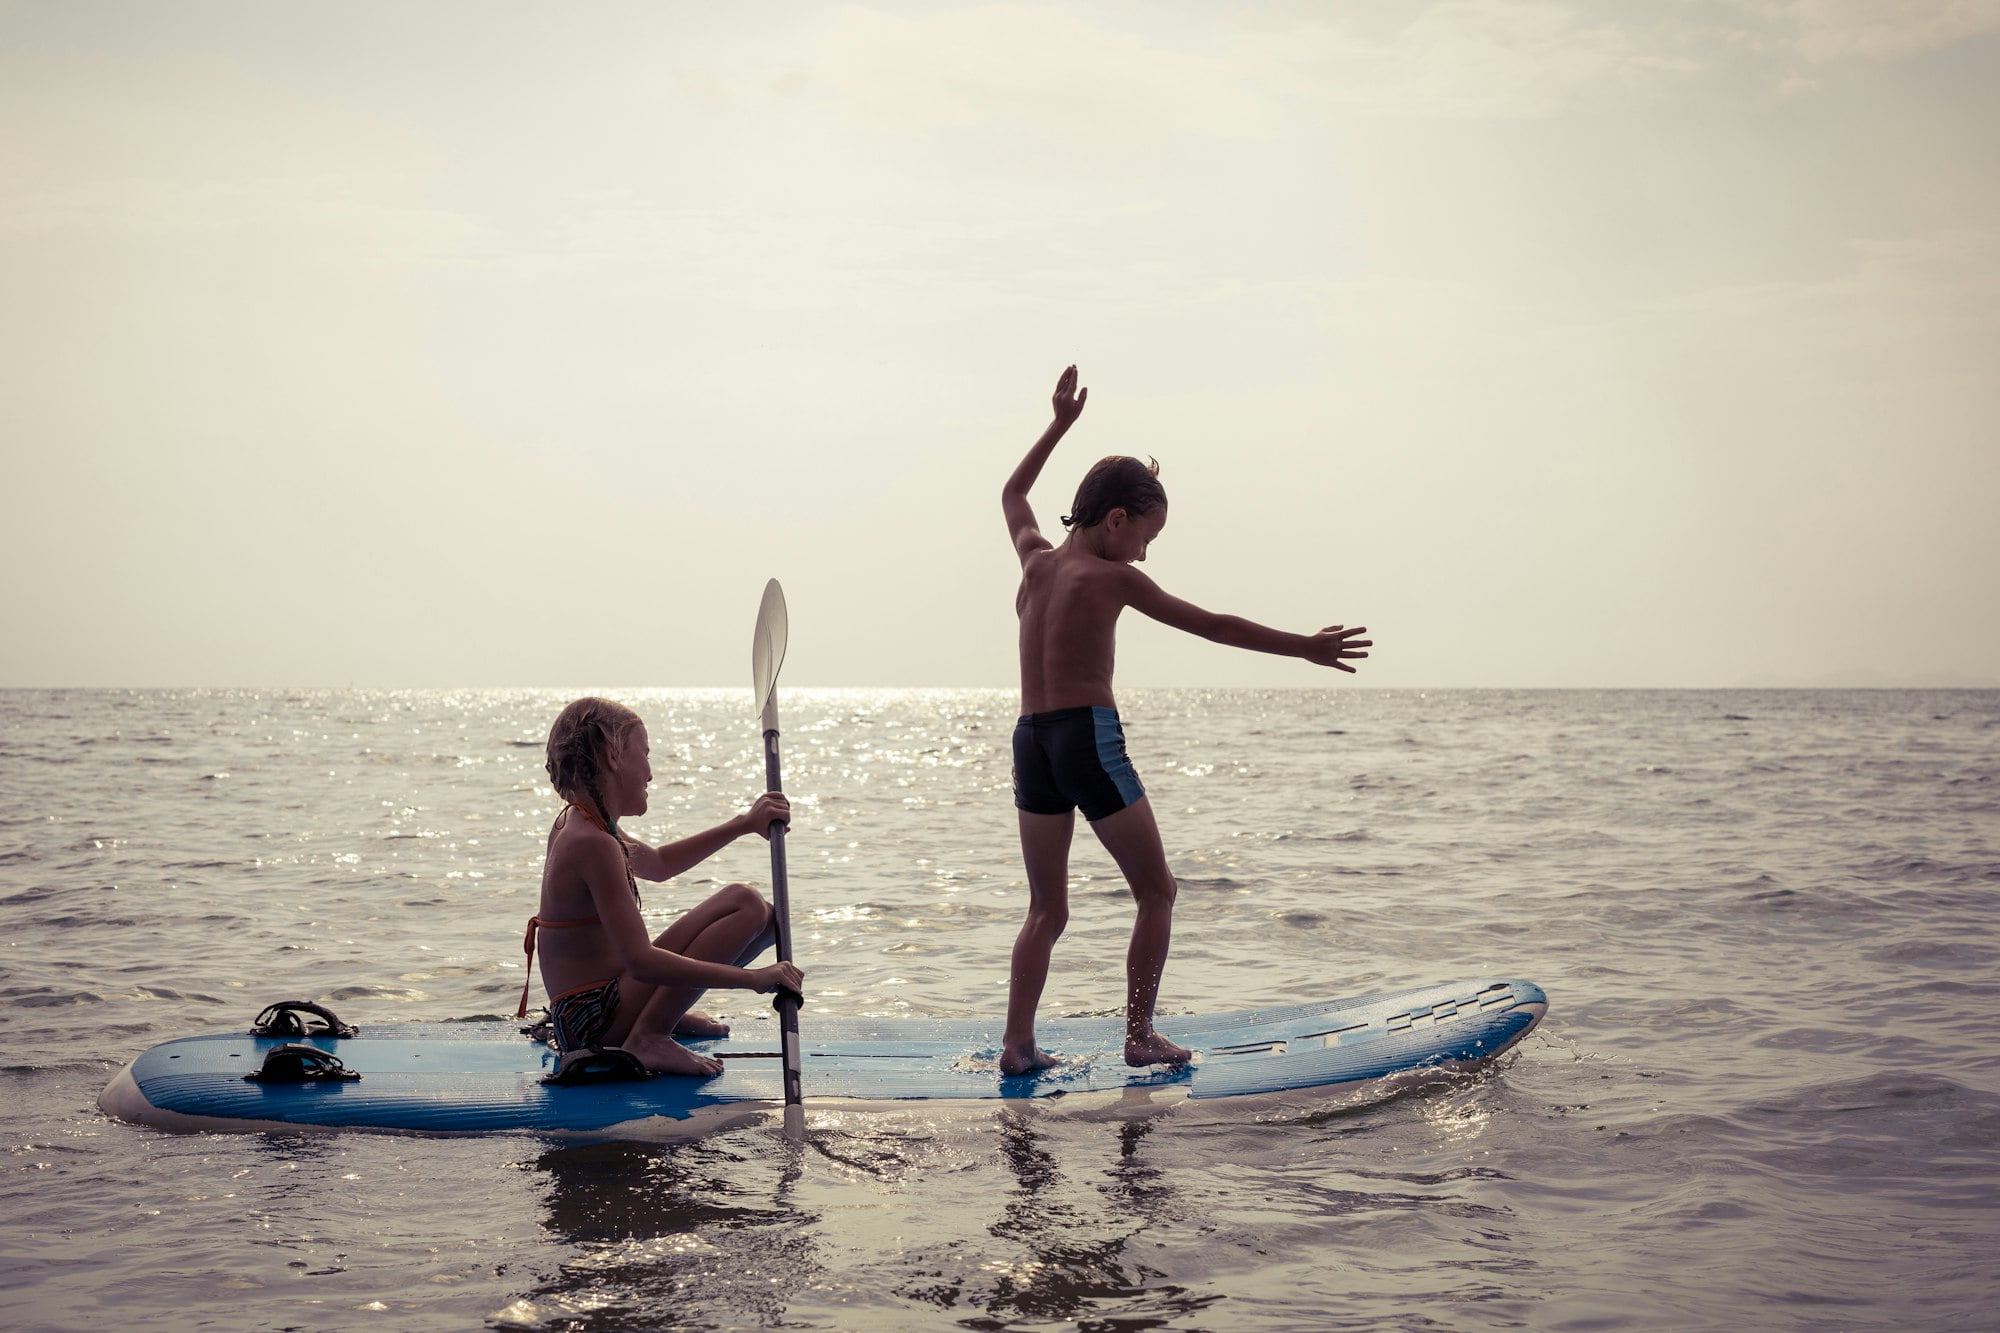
{"x": 743, "y": 898}
{"x": 759, "y": 919}
{"x": 754, "y": 905}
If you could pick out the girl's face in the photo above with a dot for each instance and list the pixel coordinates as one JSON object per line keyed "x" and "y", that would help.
{"x": 629, "y": 769}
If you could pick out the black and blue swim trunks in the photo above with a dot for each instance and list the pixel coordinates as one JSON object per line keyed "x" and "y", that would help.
{"x": 1073, "y": 759}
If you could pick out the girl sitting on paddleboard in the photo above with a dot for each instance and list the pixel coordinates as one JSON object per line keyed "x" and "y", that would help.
{"x": 609, "y": 984}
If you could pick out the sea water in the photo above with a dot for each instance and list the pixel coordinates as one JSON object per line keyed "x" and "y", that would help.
{"x": 1767, "y": 1094}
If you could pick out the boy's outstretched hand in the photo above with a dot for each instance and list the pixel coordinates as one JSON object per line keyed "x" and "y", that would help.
{"x": 1069, "y": 399}
{"x": 1335, "y": 644}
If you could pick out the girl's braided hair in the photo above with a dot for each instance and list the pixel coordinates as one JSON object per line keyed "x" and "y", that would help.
{"x": 579, "y": 745}
{"x": 1116, "y": 483}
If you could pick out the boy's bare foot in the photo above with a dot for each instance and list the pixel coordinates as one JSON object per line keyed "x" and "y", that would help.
{"x": 664, "y": 1055}
{"x": 1016, "y": 1062}
{"x": 693, "y": 1024}
{"x": 1153, "y": 1049}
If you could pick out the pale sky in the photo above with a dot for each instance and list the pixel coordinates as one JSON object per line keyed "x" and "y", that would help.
{"x": 484, "y": 344}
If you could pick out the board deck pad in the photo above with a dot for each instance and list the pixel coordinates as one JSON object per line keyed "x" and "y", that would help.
{"x": 485, "y": 1077}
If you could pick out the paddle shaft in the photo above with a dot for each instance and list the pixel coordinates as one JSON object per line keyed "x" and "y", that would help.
{"x": 781, "y": 911}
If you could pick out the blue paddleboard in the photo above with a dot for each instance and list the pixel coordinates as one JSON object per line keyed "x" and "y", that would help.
{"x": 475, "y": 1078}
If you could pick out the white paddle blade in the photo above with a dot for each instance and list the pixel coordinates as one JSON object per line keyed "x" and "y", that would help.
{"x": 767, "y": 652}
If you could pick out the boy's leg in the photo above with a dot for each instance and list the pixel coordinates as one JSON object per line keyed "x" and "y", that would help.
{"x": 1133, "y": 839}
{"x": 719, "y": 930}
{"x": 1045, "y": 851}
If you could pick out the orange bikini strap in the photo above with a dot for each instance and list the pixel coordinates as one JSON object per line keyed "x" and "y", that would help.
{"x": 528, "y": 947}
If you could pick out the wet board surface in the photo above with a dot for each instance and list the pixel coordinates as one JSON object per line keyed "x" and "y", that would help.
{"x": 470, "y": 1078}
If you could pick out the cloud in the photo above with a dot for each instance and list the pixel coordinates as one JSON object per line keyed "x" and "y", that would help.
{"x": 1235, "y": 73}
{"x": 1938, "y": 281}
{"x": 1484, "y": 58}
{"x": 1538, "y": 59}
{"x": 320, "y": 211}
{"x": 1835, "y": 30}
{"x": 1034, "y": 65}
{"x": 1473, "y": 59}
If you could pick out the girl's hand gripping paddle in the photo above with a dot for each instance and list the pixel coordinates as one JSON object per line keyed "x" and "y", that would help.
{"x": 766, "y": 656}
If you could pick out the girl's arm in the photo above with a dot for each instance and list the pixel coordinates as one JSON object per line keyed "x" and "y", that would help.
{"x": 675, "y": 858}
{"x": 603, "y": 869}
{"x": 1333, "y": 646}
{"x": 1021, "y": 525}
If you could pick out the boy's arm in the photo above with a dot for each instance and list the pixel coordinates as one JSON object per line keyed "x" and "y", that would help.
{"x": 1333, "y": 646}
{"x": 675, "y": 858}
{"x": 1021, "y": 523}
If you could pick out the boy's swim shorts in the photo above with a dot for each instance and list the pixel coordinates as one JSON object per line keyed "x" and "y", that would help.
{"x": 1070, "y": 759}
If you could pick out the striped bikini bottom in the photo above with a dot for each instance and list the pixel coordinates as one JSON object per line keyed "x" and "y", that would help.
{"x": 580, "y": 1018}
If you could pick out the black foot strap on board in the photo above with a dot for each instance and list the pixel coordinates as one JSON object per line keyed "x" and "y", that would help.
{"x": 301, "y": 1064}
{"x": 301, "y": 1018}
{"x": 599, "y": 1064}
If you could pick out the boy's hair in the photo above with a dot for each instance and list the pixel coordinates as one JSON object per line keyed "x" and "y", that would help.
{"x": 579, "y": 744}
{"x": 1116, "y": 483}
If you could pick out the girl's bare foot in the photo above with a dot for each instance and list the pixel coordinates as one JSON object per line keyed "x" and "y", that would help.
{"x": 693, "y": 1024}
{"x": 1153, "y": 1049}
{"x": 1034, "y": 1058}
{"x": 664, "y": 1055}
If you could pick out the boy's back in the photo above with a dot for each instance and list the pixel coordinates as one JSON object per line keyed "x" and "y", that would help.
{"x": 1068, "y": 604}
{"x": 1070, "y": 595}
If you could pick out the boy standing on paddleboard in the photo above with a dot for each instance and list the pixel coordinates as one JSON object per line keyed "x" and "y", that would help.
{"x": 1069, "y": 747}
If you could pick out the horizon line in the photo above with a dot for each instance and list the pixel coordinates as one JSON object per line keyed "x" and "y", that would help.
{"x": 1763, "y": 685}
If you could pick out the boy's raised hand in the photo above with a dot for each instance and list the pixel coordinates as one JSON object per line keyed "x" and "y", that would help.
{"x": 1069, "y": 399}
{"x": 1335, "y": 644}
